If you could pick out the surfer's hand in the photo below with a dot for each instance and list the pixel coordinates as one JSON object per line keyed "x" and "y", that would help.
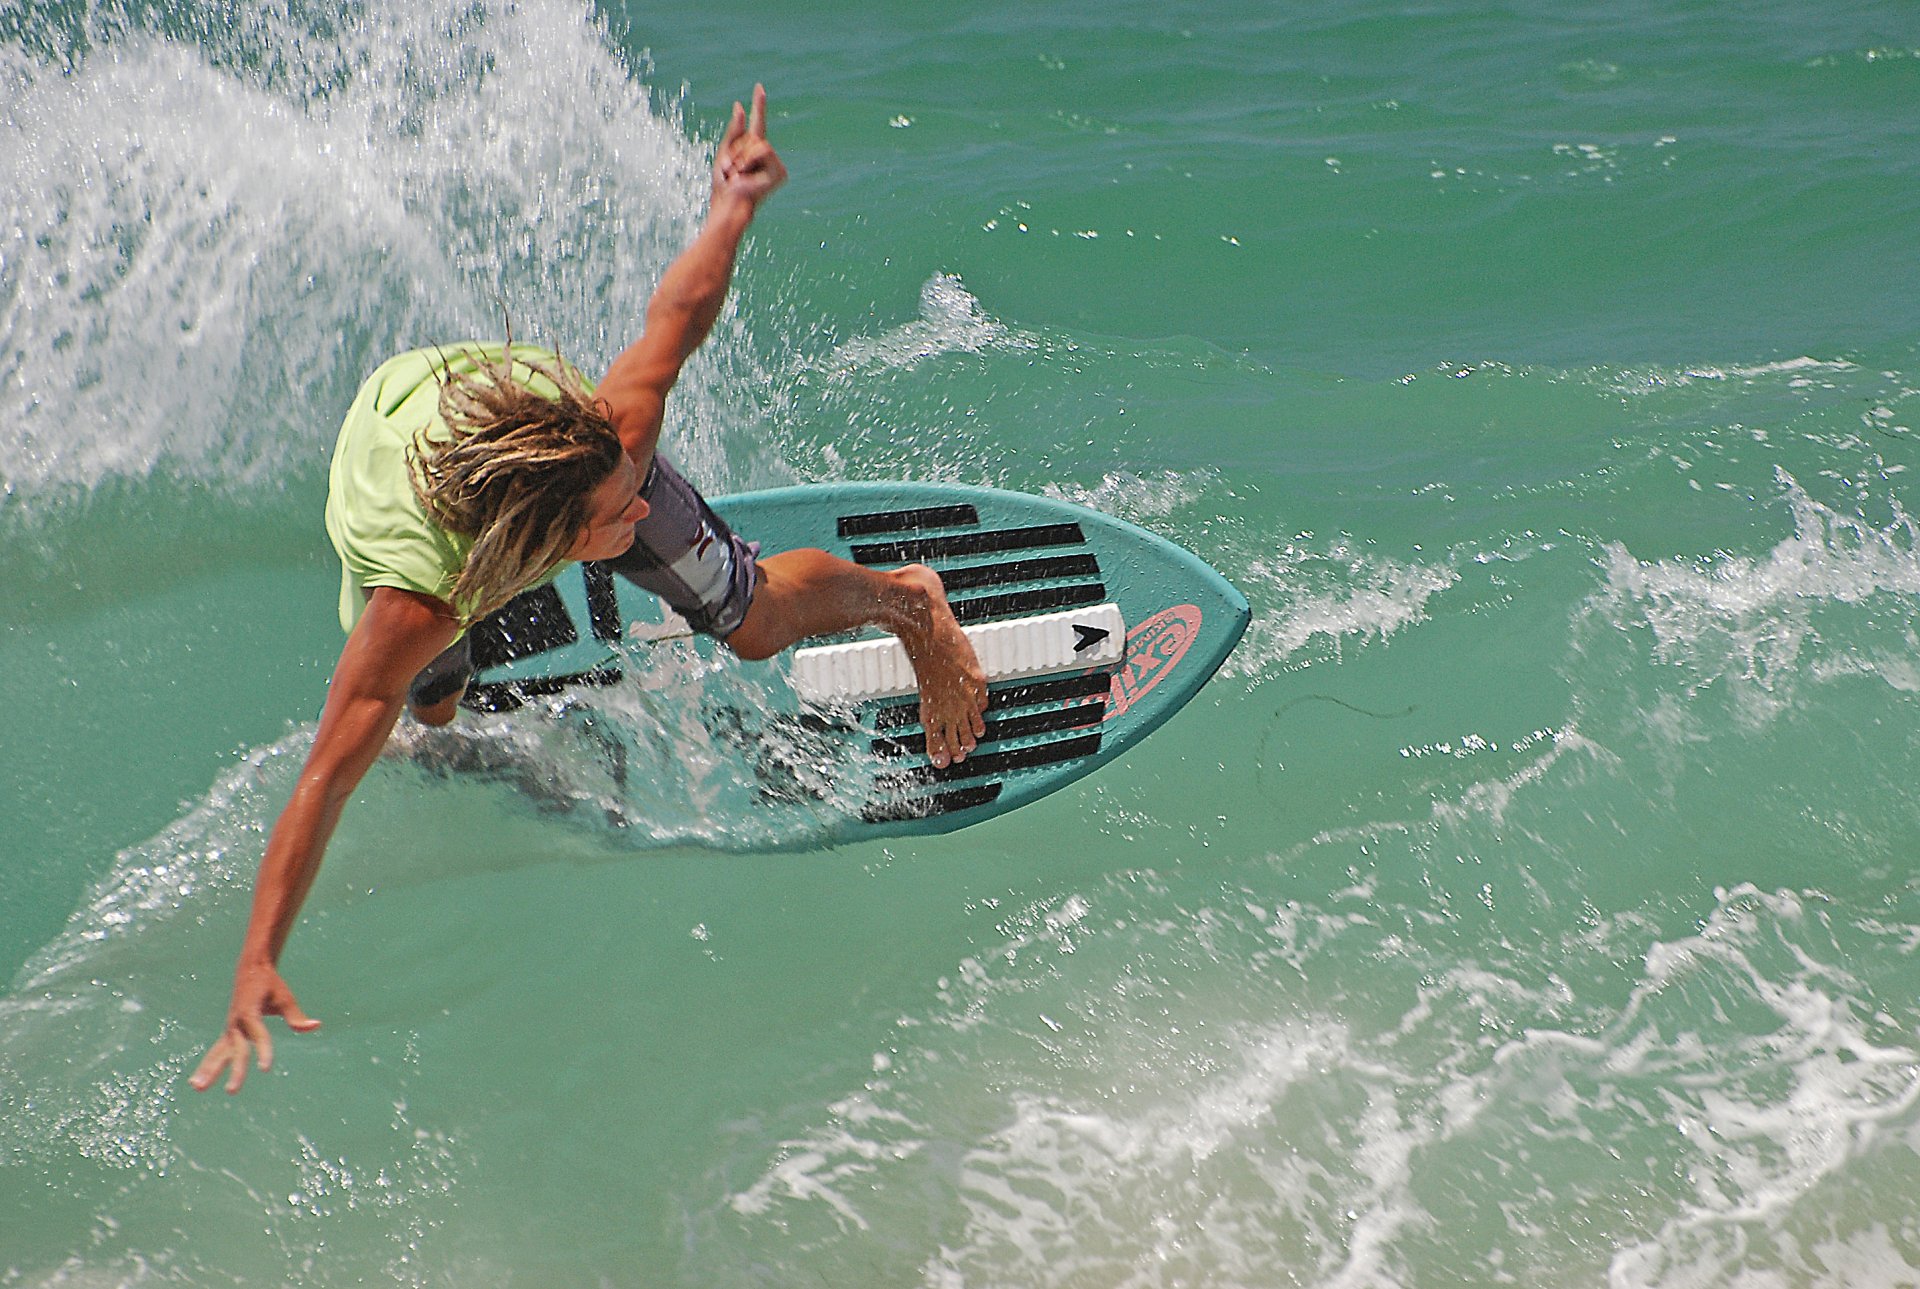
{"x": 746, "y": 165}
{"x": 258, "y": 992}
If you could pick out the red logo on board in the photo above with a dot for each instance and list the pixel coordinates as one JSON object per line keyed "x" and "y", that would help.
{"x": 1153, "y": 649}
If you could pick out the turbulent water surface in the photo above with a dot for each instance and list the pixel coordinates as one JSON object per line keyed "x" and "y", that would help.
{"x": 1532, "y": 899}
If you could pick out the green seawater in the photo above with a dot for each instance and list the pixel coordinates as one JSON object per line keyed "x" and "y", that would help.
{"x": 1531, "y": 899}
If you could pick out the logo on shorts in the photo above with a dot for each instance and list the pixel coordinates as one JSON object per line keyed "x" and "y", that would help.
{"x": 1154, "y": 648}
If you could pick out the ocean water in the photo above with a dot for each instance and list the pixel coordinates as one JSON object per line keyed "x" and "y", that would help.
{"x": 1531, "y": 900}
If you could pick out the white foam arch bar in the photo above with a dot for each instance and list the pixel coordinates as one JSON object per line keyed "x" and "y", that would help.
{"x": 1011, "y": 650}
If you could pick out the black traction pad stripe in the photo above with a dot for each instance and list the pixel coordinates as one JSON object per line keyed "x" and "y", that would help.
{"x": 1016, "y": 604}
{"x": 940, "y": 803}
{"x": 603, "y": 604}
{"x": 532, "y": 622}
{"x": 1020, "y": 570}
{"x": 985, "y": 542}
{"x": 511, "y": 695}
{"x": 906, "y": 521}
{"x": 979, "y": 767}
{"x": 1060, "y": 689}
{"x": 1060, "y": 718}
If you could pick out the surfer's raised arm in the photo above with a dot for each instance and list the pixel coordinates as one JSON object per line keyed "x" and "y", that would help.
{"x": 691, "y": 292}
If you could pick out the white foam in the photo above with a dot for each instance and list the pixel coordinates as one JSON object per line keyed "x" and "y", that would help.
{"x": 211, "y": 849}
{"x": 951, "y": 321}
{"x": 820, "y": 1167}
{"x": 1771, "y": 1114}
{"x": 1801, "y": 372}
{"x": 1339, "y": 595}
{"x": 1167, "y": 1106}
{"x": 1752, "y": 619}
{"x": 1136, "y": 497}
{"x": 1182, "y": 1189}
{"x": 202, "y": 250}
{"x": 1146, "y": 1148}
{"x": 1491, "y": 797}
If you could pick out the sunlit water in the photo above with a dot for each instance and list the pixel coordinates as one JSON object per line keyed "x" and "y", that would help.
{"x": 1530, "y": 900}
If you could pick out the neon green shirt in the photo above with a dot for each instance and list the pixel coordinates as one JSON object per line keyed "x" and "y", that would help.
{"x": 381, "y": 531}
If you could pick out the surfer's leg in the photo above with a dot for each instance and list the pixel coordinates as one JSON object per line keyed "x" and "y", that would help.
{"x": 806, "y": 593}
{"x": 686, "y": 555}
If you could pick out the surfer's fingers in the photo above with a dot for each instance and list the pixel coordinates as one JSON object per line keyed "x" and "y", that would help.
{"x": 256, "y": 1029}
{"x": 736, "y": 127}
{"x": 230, "y": 1054}
{"x": 237, "y": 1072}
{"x": 757, "y": 123}
{"x": 214, "y": 1061}
{"x": 287, "y": 1008}
{"x": 297, "y": 1021}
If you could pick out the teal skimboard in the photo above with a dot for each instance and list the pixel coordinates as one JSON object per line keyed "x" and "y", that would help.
{"x": 1093, "y": 632}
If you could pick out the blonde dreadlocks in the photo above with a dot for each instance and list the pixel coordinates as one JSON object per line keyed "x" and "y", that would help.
{"x": 515, "y": 472}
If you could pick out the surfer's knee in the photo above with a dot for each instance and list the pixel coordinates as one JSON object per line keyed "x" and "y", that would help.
{"x": 763, "y": 630}
{"x": 750, "y": 644}
{"x": 777, "y": 616}
{"x": 440, "y": 713}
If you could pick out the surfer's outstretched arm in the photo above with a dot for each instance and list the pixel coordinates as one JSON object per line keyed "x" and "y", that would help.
{"x": 400, "y": 633}
{"x": 692, "y": 290}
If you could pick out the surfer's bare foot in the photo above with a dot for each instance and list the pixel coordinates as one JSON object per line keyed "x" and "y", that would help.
{"x": 807, "y": 592}
{"x": 953, "y": 688}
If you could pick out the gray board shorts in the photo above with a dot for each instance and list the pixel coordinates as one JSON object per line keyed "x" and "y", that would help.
{"x": 682, "y": 552}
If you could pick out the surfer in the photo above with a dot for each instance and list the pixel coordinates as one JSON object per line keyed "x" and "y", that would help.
{"x": 467, "y": 475}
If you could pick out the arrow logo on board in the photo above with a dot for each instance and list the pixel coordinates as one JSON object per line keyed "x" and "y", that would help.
{"x": 1087, "y": 637}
